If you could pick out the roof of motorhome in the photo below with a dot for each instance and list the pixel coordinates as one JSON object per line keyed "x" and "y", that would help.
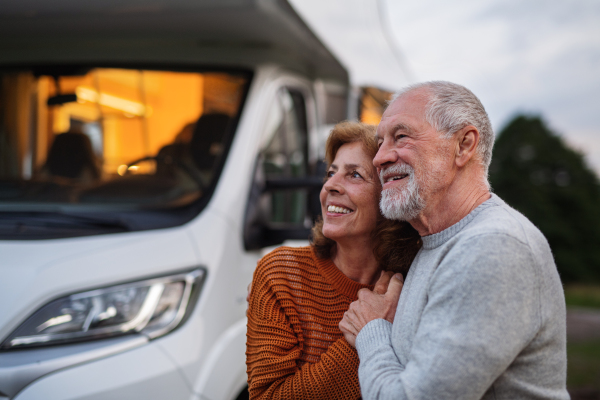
{"x": 232, "y": 33}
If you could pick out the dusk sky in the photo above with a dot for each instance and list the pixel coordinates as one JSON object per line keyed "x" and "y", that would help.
{"x": 539, "y": 57}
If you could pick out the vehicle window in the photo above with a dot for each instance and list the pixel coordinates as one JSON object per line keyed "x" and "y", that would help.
{"x": 142, "y": 139}
{"x": 373, "y": 102}
{"x": 285, "y": 156}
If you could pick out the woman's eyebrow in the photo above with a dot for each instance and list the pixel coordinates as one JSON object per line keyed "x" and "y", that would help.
{"x": 352, "y": 166}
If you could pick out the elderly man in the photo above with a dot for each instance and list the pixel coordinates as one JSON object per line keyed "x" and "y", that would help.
{"x": 482, "y": 312}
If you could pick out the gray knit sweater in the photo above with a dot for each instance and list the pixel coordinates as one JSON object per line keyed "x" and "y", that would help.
{"x": 481, "y": 315}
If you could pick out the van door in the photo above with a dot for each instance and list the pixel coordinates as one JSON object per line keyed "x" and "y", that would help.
{"x": 284, "y": 197}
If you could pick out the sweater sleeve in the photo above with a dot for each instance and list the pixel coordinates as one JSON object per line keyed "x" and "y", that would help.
{"x": 483, "y": 308}
{"x": 273, "y": 351}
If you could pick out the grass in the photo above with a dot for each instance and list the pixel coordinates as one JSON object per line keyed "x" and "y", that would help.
{"x": 579, "y": 295}
{"x": 583, "y": 358}
{"x": 583, "y": 365}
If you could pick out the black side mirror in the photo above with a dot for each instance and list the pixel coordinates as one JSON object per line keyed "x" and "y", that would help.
{"x": 258, "y": 233}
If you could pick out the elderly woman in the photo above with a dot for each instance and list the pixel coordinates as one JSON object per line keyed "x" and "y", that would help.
{"x": 295, "y": 349}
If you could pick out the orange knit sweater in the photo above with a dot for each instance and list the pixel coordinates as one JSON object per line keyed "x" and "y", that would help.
{"x": 294, "y": 348}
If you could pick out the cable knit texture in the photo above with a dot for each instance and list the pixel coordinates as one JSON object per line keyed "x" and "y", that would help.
{"x": 294, "y": 348}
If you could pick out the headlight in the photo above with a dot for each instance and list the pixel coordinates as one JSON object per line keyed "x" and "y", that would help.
{"x": 152, "y": 307}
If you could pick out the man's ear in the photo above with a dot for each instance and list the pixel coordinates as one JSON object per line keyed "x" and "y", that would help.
{"x": 466, "y": 146}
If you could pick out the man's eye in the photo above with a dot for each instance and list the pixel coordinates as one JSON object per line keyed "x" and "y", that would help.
{"x": 400, "y": 136}
{"x": 329, "y": 174}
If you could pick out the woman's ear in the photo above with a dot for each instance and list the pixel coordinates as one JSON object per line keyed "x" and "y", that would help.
{"x": 466, "y": 146}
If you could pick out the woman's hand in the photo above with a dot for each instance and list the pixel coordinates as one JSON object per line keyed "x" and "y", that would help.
{"x": 372, "y": 305}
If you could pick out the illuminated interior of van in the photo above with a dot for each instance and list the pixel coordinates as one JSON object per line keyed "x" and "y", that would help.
{"x": 109, "y": 136}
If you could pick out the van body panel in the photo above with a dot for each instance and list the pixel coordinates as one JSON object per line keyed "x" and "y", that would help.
{"x": 222, "y": 300}
{"x": 20, "y": 369}
{"x": 142, "y": 373}
{"x": 225, "y": 373}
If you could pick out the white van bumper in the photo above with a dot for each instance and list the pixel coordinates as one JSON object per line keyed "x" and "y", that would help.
{"x": 122, "y": 368}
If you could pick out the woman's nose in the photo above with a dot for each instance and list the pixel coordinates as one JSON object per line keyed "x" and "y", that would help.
{"x": 334, "y": 184}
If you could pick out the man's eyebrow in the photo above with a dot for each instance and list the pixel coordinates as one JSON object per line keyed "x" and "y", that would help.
{"x": 402, "y": 127}
{"x": 396, "y": 128}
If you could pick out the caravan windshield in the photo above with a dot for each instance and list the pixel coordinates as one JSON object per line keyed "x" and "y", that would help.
{"x": 83, "y": 141}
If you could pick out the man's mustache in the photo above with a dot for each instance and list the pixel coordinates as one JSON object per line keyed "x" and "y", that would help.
{"x": 396, "y": 169}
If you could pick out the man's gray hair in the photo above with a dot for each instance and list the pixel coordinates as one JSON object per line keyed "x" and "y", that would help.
{"x": 450, "y": 108}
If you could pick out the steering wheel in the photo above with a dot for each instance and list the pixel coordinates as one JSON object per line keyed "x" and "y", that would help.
{"x": 171, "y": 161}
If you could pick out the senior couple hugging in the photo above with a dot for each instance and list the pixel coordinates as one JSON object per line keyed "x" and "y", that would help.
{"x": 419, "y": 283}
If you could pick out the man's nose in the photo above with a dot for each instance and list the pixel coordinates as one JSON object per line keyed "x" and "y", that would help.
{"x": 385, "y": 156}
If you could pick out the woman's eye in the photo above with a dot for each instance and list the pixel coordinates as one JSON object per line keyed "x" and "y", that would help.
{"x": 356, "y": 174}
{"x": 329, "y": 174}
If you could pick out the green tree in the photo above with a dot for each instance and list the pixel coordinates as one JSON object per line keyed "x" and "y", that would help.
{"x": 535, "y": 172}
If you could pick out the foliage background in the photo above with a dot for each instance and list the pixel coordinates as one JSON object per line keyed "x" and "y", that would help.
{"x": 534, "y": 171}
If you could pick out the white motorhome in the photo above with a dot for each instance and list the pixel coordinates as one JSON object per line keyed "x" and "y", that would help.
{"x": 149, "y": 153}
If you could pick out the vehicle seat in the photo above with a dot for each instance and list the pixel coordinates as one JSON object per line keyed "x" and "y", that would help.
{"x": 199, "y": 155}
{"x": 207, "y": 141}
{"x": 168, "y": 157}
{"x": 71, "y": 156}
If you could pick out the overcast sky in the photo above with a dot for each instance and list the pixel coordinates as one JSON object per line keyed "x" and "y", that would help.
{"x": 537, "y": 56}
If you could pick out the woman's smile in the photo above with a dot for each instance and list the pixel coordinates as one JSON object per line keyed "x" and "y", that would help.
{"x": 334, "y": 209}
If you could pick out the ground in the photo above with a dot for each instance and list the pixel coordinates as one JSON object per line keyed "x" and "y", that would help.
{"x": 583, "y": 341}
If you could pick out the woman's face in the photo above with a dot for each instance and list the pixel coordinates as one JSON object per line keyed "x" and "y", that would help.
{"x": 350, "y": 196}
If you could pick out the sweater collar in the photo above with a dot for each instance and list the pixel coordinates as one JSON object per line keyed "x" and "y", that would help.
{"x": 438, "y": 239}
{"x": 336, "y": 278}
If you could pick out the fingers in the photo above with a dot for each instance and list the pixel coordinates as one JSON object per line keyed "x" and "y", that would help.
{"x": 348, "y": 330}
{"x": 350, "y": 321}
{"x": 394, "y": 288}
{"x": 383, "y": 282}
{"x": 363, "y": 293}
{"x": 343, "y": 325}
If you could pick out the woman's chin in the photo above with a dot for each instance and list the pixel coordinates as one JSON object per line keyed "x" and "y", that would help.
{"x": 334, "y": 233}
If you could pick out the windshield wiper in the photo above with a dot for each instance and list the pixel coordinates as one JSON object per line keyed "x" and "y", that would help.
{"x": 46, "y": 225}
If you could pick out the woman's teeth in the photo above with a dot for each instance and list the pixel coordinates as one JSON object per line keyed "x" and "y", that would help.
{"x": 338, "y": 210}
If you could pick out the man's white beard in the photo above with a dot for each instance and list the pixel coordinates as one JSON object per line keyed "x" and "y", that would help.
{"x": 402, "y": 204}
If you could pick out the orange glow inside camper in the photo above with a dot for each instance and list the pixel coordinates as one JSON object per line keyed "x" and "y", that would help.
{"x": 127, "y": 114}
